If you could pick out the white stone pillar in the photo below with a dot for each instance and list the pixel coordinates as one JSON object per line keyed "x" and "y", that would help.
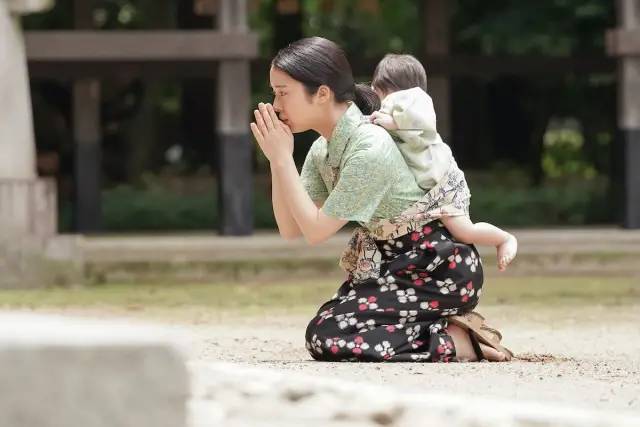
{"x": 17, "y": 148}
{"x": 27, "y": 204}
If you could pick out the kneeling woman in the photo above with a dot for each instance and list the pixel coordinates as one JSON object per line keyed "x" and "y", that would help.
{"x": 411, "y": 288}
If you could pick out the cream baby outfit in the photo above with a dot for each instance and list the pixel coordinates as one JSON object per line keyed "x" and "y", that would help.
{"x": 427, "y": 156}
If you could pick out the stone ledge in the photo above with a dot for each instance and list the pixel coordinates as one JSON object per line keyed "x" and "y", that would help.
{"x": 31, "y": 263}
{"x": 74, "y": 259}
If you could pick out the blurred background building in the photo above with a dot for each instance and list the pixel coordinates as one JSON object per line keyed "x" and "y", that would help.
{"x": 141, "y": 107}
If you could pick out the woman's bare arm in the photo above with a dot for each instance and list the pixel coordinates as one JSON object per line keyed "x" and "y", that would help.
{"x": 276, "y": 141}
{"x": 287, "y": 224}
{"x": 312, "y": 223}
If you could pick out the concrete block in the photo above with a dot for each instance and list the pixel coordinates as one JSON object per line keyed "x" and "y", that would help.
{"x": 66, "y": 372}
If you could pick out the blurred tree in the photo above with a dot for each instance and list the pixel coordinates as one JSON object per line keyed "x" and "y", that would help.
{"x": 499, "y": 119}
{"x": 512, "y": 27}
{"x": 366, "y": 28}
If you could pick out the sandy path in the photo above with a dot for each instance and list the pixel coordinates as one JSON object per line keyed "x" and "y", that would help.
{"x": 595, "y": 360}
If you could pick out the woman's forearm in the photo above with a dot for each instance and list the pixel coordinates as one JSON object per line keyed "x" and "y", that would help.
{"x": 314, "y": 225}
{"x": 286, "y": 223}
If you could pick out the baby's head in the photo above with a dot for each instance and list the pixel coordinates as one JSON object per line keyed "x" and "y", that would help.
{"x": 398, "y": 72}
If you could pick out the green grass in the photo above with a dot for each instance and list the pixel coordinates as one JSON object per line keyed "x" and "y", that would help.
{"x": 174, "y": 301}
{"x": 561, "y": 290}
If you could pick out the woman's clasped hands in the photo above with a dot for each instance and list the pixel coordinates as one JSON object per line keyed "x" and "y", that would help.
{"x": 274, "y": 137}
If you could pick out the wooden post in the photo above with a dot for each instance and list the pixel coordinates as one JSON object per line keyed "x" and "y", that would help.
{"x": 235, "y": 177}
{"x": 87, "y": 138}
{"x": 436, "y": 45}
{"x": 623, "y": 44}
{"x": 287, "y": 23}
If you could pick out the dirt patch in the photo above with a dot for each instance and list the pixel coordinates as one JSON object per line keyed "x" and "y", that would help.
{"x": 587, "y": 356}
{"x": 541, "y": 358}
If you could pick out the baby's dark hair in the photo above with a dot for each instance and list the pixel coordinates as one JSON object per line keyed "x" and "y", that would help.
{"x": 399, "y": 72}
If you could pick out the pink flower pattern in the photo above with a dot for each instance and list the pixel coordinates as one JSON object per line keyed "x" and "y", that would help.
{"x": 401, "y": 315}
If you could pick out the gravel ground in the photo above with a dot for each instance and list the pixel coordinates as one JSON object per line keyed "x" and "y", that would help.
{"x": 584, "y": 357}
{"x": 577, "y": 366}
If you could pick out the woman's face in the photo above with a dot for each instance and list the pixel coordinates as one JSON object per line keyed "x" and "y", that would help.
{"x": 295, "y": 107}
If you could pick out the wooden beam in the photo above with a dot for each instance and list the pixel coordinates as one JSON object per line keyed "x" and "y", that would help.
{"x": 104, "y": 46}
{"x": 621, "y": 42}
{"x": 205, "y": 7}
{"x": 235, "y": 148}
{"x": 459, "y": 65}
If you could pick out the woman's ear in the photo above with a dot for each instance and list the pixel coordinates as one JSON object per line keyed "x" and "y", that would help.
{"x": 324, "y": 94}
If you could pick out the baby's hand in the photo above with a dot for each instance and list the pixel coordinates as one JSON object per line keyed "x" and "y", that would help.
{"x": 384, "y": 120}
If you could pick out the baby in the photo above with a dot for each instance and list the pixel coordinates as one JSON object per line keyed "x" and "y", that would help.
{"x": 400, "y": 82}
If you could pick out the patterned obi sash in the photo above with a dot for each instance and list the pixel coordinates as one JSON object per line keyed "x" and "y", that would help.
{"x": 450, "y": 197}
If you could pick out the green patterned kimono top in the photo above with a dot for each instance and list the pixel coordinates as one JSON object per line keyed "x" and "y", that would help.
{"x": 362, "y": 176}
{"x": 359, "y": 173}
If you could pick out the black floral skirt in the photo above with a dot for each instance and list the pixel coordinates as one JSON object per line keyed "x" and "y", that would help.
{"x": 425, "y": 276}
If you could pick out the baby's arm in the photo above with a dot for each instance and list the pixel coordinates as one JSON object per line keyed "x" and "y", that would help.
{"x": 483, "y": 233}
{"x": 410, "y": 115}
{"x": 383, "y": 119}
{"x": 411, "y": 109}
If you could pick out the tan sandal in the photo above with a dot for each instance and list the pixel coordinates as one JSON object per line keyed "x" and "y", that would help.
{"x": 479, "y": 332}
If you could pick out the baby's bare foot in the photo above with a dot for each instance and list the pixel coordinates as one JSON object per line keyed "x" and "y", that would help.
{"x": 507, "y": 252}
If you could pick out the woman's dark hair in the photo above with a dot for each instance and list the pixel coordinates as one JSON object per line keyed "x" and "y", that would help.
{"x": 316, "y": 61}
{"x": 399, "y": 72}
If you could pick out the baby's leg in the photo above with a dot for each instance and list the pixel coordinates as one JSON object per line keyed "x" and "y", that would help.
{"x": 483, "y": 233}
